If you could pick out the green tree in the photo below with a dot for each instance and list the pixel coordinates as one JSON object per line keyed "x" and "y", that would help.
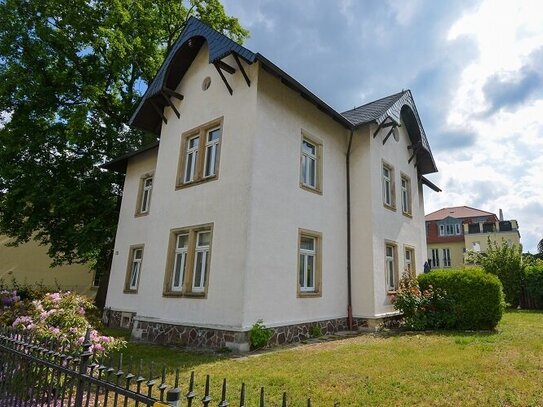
{"x": 70, "y": 76}
{"x": 505, "y": 261}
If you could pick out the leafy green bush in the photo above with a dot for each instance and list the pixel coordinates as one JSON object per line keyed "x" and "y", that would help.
{"x": 478, "y": 296}
{"x": 428, "y": 309}
{"x": 315, "y": 331}
{"x": 504, "y": 261}
{"x": 259, "y": 335}
{"x": 533, "y": 281}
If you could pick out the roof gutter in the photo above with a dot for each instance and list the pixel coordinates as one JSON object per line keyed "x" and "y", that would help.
{"x": 349, "y": 286}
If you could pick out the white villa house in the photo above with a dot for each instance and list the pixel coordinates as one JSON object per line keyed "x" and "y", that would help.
{"x": 261, "y": 202}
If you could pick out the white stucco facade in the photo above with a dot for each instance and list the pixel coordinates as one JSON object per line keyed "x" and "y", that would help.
{"x": 257, "y": 208}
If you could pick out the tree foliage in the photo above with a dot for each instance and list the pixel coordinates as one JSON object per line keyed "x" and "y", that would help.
{"x": 70, "y": 75}
{"x": 505, "y": 261}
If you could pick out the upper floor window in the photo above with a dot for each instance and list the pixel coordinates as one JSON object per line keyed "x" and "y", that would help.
{"x": 388, "y": 186}
{"x": 200, "y": 152}
{"x": 144, "y": 195}
{"x": 406, "y": 194}
{"x": 188, "y": 262}
{"x": 450, "y": 229}
{"x": 133, "y": 271}
{"x": 311, "y": 164}
{"x": 309, "y": 263}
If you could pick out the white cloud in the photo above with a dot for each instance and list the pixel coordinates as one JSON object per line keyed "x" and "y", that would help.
{"x": 505, "y": 164}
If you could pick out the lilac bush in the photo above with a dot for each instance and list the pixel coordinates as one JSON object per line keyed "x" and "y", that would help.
{"x": 60, "y": 317}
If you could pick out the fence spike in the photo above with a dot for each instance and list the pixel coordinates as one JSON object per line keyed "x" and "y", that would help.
{"x": 284, "y": 403}
{"x": 262, "y": 397}
{"x": 223, "y": 402}
{"x": 242, "y": 396}
{"x": 176, "y": 377}
{"x": 207, "y": 398}
{"x": 190, "y": 394}
{"x": 309, "y": 402}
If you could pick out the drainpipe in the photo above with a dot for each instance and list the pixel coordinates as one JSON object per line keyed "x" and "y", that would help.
{"x": 349, "y": 296}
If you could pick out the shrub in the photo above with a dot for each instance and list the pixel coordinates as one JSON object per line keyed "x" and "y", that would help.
{"x": 315, "y": 331}
{"x": 259, "y": 335}
{"x": 59, "y": 317}
{"x": 478, "y": 296}
{"x": 428, "y": 309}
{"x": 505, "y": 262}
{"x": 533, "y": 281}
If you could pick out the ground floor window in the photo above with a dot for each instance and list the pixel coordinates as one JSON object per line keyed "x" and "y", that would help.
{"x": 133, "y": 271}
{"x": 434, "y": 260}
{"x": 446, "y": 258}
{"x": 309, "y": 263}
{"x": 187, "y": 269}
{"x": 391, "y": 267}
{"x": 409, "y": 261}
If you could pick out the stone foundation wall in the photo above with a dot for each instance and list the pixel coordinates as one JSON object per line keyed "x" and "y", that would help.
{"x": 181, "y": 335}
{"x": 118, "y": 319}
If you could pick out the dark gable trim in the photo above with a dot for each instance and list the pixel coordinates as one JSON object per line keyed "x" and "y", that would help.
{"x": 429, "y": 184}
{"x": 119, "y": 164}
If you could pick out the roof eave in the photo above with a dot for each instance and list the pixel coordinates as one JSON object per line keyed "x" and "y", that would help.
{"x": 120, "y": 164}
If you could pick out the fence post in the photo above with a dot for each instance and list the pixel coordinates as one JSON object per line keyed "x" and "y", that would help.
{"x": 83, "y": 364}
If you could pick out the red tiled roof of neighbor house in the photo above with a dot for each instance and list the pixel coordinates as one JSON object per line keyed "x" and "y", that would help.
{"x": 457, "y": 212}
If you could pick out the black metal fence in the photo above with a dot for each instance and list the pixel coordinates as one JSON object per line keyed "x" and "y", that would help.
{"x": 33, "y": 374}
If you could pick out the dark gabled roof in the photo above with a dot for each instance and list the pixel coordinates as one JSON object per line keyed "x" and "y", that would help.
{"x": 176, "y": 64}
{"x": 119, "y": 164}
{"x": 371, "y": 111}
{"x": 398, "y": 107}
{"x": 459, "y": 212}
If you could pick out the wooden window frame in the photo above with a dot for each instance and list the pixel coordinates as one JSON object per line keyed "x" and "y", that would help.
{"x": 187, "y": 288}
{"x": 392, "y": 191}
{"x": 318, "y": 162}
{"x": 388, "y": 286}
{"x": 407, "y": 195}
{"x": 141, "y": 190}
{"x": 317, "y": 278}
{"x": 412, "y": 261}
{"x": 201, "y": 133}
{"x": 131, "y": 252}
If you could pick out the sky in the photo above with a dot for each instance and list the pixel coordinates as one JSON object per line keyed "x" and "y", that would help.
{"x": 475, "y": 69}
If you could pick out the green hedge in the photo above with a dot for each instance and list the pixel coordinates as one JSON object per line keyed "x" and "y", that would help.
{"x": 478, "y": 296}
{"x": 533, "y": 280}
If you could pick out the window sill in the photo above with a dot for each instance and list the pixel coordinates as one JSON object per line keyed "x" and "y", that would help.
{"x": 196, "y": 182}
{"x": 175, "y": 294}
{"x": 128, "y": 291}
{"x": 140, "y": 214}
{"x": 392, "y": 292}
{"x": 407, "y": 215}
{"x": 389, "y": 207}
{"x": 309, "y": 294}
{"x": 317, "y": 191}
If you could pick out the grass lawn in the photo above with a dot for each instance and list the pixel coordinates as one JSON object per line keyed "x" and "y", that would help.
{"x": 501, "y": 368}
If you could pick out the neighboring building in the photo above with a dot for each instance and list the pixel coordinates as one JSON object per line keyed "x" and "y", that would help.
{"x": 262, "y": 202}
{"x": 451, "y": 232}
{"x": 29, "y": 264}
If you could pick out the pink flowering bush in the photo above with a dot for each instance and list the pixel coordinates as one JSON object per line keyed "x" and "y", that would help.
{"x": 7, "y": 297}
{"x": 423, "y": 309}
{"x": 60, "y": 317}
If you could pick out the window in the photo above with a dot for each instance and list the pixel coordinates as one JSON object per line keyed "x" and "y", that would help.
{"x": 434, "y": 260}
{"x": 311, "y": 164}
{"x": 133, "y": 271}
{"x": 388, "y": 187}
{"x": 144, "y": 195}
{"x": 406, "y": 195}
{"x": 200, "y": 152}
{"x": 391, "y": 267}
{"x": 187, "y": 268}
{"x": 446, "y": 258}
{"x": 450, "y": 229}
{"x": 409, "y": 261}
{"x": 309, "y": 263}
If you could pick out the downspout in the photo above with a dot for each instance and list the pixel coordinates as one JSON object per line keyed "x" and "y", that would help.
{"x": 349, "y": 295}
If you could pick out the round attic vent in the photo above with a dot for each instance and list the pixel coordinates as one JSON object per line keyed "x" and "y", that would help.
{"x": 206, "y": 83}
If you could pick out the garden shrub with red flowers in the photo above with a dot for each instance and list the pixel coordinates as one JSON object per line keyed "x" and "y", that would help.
{"x": 61, "y": 317}
{"x": 431, "y": 308}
